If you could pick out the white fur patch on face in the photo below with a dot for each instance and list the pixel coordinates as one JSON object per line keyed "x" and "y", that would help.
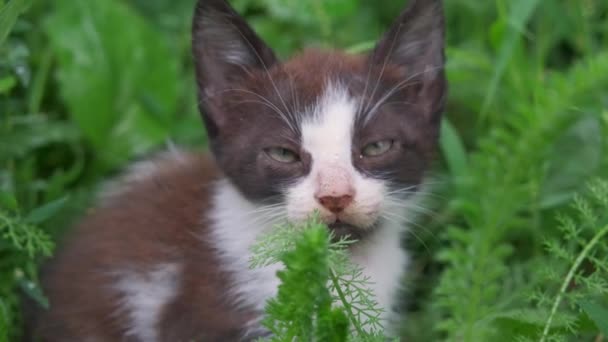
{"x": 236, "y": 224}
{"x": 327, "y": 136}
{"x": 144, "y": 297}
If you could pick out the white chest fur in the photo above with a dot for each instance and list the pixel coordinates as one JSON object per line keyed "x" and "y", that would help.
{"x": 237, "y": 223}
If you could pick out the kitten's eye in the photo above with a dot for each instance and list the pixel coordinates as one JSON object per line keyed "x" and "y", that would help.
{"x": 282, "y": 155}
{"x": 377, "y": 148}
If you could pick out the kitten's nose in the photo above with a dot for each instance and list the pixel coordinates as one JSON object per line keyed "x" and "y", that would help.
{"x": 334, "y": 188}
{"x": 335, "y": 204}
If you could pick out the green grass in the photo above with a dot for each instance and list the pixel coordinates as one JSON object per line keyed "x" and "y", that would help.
{"x": 509, "y": 252}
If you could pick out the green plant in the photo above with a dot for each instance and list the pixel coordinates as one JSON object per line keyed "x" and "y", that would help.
{"x": 21, "y": 244}
{"x": 317, "y": 275}
{"x": 583, "y": 291}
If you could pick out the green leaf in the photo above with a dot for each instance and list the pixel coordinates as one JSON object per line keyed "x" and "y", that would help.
{"x": 576, "y": 156}
{"x": 46, "y": 211}
{"x": 8, "y": 201}
{"x": 34, "y": 131}
{"x": 37, "y": 89}
{"x": 7, "y": 83}
{"x": 532, "y": 317}
{"x": 597, "y": 313}
{"x": 117, "y": 75}
{"x": 521, "y": 12}
{"x": 5, "y": 319}
{"x": 33, "y": 291}
{"x": 453, "y": 149}
{"x": 9, "y": 14}
{"x": 361, "y": 47}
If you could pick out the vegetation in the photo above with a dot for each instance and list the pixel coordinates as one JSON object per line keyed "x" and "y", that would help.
{"x": 505, "y": 249}
{"x": 318, "y": 275}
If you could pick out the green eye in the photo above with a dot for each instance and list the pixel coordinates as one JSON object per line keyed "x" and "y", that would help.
{"x": 377, "y": 148}
{"x": 282, "y": 155}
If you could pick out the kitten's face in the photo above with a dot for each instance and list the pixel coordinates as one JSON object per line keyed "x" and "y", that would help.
{"x": 347, "y": 136}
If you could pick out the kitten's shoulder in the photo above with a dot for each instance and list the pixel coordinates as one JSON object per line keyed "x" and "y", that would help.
{"x": 128, "y": 257}
{"x": 173, "y": 168}
{"x": 152, "y": 213}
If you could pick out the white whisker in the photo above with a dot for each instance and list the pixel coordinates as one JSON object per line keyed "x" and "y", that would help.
{"x": 409, "y": 231}
{"x": 272, "y": 82}
{"x": 384, "y": 63}
{"x": 268, "y": 103}
{"x": 393, "y": 90}
{"x": 399, "y": 218}
{"x": 411, "y": 206}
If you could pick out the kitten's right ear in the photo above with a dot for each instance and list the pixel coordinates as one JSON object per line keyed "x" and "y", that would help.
{"x": 415, "y": 43}
{"x": 225, "y": 50}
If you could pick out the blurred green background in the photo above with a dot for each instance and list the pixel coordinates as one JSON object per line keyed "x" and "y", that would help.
{"x": 506, "y": 250}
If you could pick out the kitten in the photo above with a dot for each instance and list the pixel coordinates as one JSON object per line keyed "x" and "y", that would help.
{"x": 164, "y": 256}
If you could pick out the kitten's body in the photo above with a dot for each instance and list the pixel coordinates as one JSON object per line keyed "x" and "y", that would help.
{"x": 179, "y": 276}
{"x": 165, "y": 256}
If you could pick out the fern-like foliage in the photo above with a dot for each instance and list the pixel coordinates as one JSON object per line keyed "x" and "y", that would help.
{"x": 580, "y": 272}
{"x": 24, "y": 236}
{"x": 323, "y": 296}
{"x": 517, "y": 174}
{"x": 21, "y": 244}
{"x": 302, "y": 308}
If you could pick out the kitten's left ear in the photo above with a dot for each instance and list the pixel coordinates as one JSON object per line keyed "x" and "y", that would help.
{"x": 415, "y": 43}
{"x": 226, "y": 50}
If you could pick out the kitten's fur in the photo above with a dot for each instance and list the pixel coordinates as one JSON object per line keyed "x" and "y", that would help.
{"x": 164, "y": 256}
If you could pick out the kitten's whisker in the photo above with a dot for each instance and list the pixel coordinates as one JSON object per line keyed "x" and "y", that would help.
{"x": 409, "y": 221}
{"x": 273, "y": 205}
{"x": 409, "y": 231}
{"x": 294, "y": 94}
{"x": 262, "y": 103}
{"x": 407, "y": 188}
{"x": 399, "y": 103}
{"x": 420, "y": 192}
{"x": 267, "y": 73}
{"x": 266, "y": 220}
{"x": 364, "y": 96}
{"x": 412, "y": 207}
{"x": 272, "y": 212}
{"x": 264, "y": 99}
{"x": 396, "y": 88}
{"x": 283, "y": 115}
{"x": 265, "y": 211}
{"x": 386, "y": 96}
{"x": 400, "y": 218}
{"x": 384, "y": 64}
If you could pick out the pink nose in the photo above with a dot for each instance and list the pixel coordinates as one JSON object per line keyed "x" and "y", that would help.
{"x": 335, "y": 189}
{"x": 335, "y": 204}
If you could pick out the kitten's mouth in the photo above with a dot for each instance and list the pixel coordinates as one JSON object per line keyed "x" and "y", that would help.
{"x": 342, "y": 230}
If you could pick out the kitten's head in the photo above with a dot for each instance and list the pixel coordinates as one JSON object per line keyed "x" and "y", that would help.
{"x": 347, "y": 135}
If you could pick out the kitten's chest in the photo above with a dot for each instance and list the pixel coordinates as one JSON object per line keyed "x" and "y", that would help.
{"x": 381, "y": 260}
{"x": 235, "y": 230}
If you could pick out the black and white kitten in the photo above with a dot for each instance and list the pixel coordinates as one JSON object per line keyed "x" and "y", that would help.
{"x": 165, "y": 255}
